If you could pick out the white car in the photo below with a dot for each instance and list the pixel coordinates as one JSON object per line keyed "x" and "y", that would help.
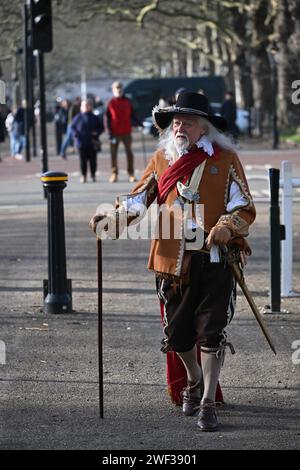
{"x": 148, "y": 127}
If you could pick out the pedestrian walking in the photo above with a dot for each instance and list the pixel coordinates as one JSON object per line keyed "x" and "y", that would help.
{"x": 2, "y": 129}
{"x": 61, "y": 118}
{"x": 18, "y": 129}
{"x": 195, "y": 167}
{"x": 119, "y": 115}
{"x": 9, "y": 127}
{"x": 68, "y": 140}
{"x": 87, "y": 128}
{"x": 229, "y": 112}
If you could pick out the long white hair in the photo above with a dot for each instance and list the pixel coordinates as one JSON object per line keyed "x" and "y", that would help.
{"x": 166, "y": 140}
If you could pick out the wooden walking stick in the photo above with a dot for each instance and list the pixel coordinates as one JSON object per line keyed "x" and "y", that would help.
{"x": 100, "y": 329}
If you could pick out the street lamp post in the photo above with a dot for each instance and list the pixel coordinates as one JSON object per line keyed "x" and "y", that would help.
{"x": 27, "y": 52}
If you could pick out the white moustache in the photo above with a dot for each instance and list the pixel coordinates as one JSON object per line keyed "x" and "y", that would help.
{"x": 181, "y": 136}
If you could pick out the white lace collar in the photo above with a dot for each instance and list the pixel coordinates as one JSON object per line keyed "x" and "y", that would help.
{"x": 203, "y": 142}
{"x": 206, "y": 144}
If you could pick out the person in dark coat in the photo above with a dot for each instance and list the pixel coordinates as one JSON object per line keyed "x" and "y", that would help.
{"x": 2, "y": 128}
{"x": 228, "y": 112}
{"x": 87, "y": 128}
{"x": 61, "y": 123}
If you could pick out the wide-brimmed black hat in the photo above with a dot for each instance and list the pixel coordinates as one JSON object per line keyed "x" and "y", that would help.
{"x": 187, "y": 103}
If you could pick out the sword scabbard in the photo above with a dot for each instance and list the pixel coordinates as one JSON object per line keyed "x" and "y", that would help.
{"x": 239, "y": 276}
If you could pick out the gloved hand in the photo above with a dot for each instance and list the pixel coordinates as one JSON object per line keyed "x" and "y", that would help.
{"x": 219, "y": 235}
{"x": 113, "y": 223}
{"x": 94, "y": 221}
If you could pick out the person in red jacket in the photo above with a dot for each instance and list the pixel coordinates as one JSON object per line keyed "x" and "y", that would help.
{"x": 119, "y": 114}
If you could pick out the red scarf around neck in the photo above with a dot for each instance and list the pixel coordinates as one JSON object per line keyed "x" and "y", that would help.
{"x": 182, "y": 167}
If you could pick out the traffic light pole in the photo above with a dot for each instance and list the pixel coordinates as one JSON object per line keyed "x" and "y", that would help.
{"x": 27, "y": 63}
{"x": 44, "y": 153}
{"x": 41, "y": 33}
{"x": 32, "y": 115}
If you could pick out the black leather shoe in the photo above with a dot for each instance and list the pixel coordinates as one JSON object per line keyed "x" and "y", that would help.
{"x": 191, "y": 398}
{"x": 207, "y": 418}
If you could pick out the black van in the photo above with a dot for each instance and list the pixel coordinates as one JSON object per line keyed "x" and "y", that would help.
{"x": 145, "y": 93}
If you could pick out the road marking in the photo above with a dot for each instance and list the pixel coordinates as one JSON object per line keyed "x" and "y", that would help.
{"x": 258, "y": 167}
{"x": 255, "y": 193}
{"x": 8, "y": 207}
{"x": 262, "y": 177}
{"x": 267, "y": 200}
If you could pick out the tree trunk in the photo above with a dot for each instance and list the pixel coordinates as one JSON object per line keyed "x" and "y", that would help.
{"x": 244, "y": 78}
{"x": 230, "y": 71}
{"x": 262, "y": 92}
{"x": 242, "y": 61}
{"x": 284, "y": 85}
{"x": 283, "y": 30}
{"x": 211, "y": 63}
{"x": 189, "y": 62}
{"x": 260, "y": 67}
{"x": 175, "y": 62}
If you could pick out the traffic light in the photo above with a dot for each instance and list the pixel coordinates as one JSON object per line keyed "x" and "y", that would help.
{"x": 41, "y": 25}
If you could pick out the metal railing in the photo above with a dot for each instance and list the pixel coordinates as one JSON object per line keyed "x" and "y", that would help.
{"x": 287, "y": 183}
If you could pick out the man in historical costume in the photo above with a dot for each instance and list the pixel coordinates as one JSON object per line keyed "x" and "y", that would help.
{"x": 195, "y": 167}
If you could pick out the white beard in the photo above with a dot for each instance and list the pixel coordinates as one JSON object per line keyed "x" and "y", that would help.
{"x": 168, "y": 144}
{"x": 182, "y": 144}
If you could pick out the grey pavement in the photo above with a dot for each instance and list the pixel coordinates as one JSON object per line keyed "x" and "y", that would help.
{"x": 49, "y": 384}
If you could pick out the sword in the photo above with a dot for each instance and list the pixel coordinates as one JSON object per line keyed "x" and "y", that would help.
{"x": 239, "y": 276}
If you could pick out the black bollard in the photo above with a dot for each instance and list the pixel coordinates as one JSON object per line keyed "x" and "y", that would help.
{"x": 57, "y": 291}
{"x": 275, "y": 237}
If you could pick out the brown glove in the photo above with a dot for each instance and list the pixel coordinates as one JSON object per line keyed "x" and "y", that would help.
{"x": 219, "y": 235}
{"x": 94, "y": 221}
{"x": 113, "y": 223}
